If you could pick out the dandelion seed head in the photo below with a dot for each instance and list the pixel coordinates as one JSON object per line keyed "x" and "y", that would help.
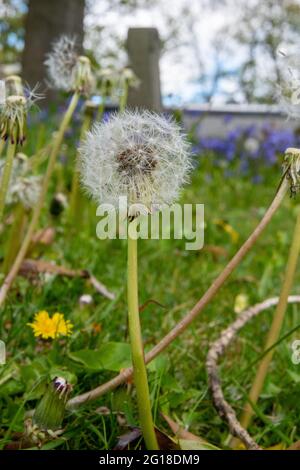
{"x": 22, "y": 188}
{"x": 288, "y": 90}
{"x": 139, "y": 155}
{"x": 67, "y": 70}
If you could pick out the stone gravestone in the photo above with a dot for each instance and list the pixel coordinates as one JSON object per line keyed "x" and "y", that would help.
{"x": 143, "y": 45}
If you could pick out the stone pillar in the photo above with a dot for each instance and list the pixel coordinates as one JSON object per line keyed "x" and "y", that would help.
{"x": 143, "y": 45}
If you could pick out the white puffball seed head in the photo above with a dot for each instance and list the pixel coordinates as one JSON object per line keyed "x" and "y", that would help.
{"x": 139, "y": 155}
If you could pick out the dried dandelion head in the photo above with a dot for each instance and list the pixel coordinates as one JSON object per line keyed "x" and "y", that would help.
{"x": 68, "y": 70}
{"x": 291, "y": 169}
{"x": 14, "y": 109}
{"x": 14, "y": 86}
{"x": 22, "y": 189}
{"x": 138, "y": 155}
{"x": 114, "y": 82}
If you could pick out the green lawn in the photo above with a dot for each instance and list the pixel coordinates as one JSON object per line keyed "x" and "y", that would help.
{"x": 175, "y": 278}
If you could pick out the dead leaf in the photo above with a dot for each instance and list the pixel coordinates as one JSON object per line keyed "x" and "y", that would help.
{"x": 216, "y": 251}
{"x": 130, "y": 437}
{"x": 187, "y": 440}
{"x": 295, "y": 446}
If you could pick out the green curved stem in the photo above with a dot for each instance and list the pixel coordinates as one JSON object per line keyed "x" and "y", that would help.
{"x": 137, "y": 349}
{"x": 2, "y": 145}
{"x": 276, "y": 326}
{"x": 40, "y": 203}
{"x": 183, "y": 324}
{"x": 75, "y": 197}
{"x": 123, "y": 98}
{"x": 5, "y": 180}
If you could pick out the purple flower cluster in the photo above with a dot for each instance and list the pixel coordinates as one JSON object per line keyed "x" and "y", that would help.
{"x": 248, "y": 149}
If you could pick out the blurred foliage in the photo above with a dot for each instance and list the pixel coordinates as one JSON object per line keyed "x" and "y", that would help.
{"x": 12, "y": 14}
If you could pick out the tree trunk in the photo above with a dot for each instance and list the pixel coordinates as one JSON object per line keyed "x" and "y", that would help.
{"x": 46, "y": 21}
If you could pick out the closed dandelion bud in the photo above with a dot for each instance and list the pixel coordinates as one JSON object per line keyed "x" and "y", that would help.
{"x": 83, "y": 77}
{"x": 13, "y": 119}
{"x": 13, "y": 115}
{"x": 129, "y": 77}
{"x": 50, "y": 411}
{"x": 291, "y": 169}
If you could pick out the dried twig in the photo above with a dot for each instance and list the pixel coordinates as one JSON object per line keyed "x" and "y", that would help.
{"x": 217, "y": 351}
{"x": 34, "y": 267}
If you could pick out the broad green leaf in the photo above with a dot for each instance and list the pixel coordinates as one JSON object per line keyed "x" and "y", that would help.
{"x": 110, "y": 356}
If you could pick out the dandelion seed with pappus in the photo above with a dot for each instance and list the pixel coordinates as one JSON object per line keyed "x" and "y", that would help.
{"x": 144, "y": 157}
{"x": 46, "y": 422}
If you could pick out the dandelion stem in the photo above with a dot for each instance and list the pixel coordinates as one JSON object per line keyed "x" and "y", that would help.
{"x": 5, "y": 180}
{"x": 39, "y": 206}
{"x": 200, "y": 305}
{"x": 75, "y": 197}
{"x": 137, "y": 349}
{"x": 123, "y": 98}
{"x": 276, "y": 326}
{"x": 101, "y": 107}
{"x": 2, "y": 145}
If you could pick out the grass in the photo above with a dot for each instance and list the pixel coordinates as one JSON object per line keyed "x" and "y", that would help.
{"x": 175, "y": 278}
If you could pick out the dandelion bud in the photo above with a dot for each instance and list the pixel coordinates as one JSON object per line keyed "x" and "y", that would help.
{"x": 13, "y": 119}
{"x": 139, "y": 156}
{"x": 50, "y": 411}
{"x": 83, "y": 79}
{"x": 129, "y": 77}
{"x": 13, "y": 85}
{"x": 291, "y": 169}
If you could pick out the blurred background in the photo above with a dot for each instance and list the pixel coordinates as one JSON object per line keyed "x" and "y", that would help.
{"x": 219, "y": 62}
{"x": 217, "y": 51}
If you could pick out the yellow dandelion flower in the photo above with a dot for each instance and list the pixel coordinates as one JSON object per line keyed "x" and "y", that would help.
{"x": 63, "y": 327}
{"x": 47, "y": 327}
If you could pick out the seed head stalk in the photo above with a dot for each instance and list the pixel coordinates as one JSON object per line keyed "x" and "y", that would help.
{"x": 137, "y": 349}
{"x": 4, "y": 184}
{"x": 101, "y": 107}
{"x": 39, "y": 206}
{"x": 124, "y": 97}
{"x": 2, "y": 145}
{"x": 275, "y": 329}
{"x": 75, "y": 198}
